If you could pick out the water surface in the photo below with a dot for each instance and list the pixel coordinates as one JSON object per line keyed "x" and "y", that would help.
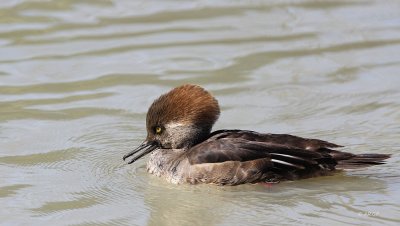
{"x": 77, "y": 77}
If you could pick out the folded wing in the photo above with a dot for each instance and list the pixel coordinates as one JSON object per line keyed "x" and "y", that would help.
{"x": 286, "y": 152}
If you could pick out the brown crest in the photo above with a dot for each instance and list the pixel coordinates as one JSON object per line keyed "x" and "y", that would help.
{"x": 186, "y": 104}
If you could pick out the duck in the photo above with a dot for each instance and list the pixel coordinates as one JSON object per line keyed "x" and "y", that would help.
{"x": 183, "y": 150}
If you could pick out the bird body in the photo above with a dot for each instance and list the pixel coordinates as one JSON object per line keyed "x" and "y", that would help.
{"x": 183, "y": 149}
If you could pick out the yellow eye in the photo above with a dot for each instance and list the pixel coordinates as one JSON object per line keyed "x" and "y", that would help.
{"x": 158, "y": 130}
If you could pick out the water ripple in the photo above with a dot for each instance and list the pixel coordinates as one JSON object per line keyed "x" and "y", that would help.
{"x": 77, "y": 77}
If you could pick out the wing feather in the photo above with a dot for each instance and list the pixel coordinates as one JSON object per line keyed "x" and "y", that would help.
{"x": 237, "y": 149}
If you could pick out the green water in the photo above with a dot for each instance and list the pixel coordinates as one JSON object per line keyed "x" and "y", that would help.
{"x": 77, "y": 77}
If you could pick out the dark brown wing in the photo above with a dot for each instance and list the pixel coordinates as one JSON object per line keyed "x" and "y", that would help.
{"x": 282, "y": 139}
{"x": 240, "y": 156}
{"x": 244, "y": 145}
{"x": 345, "y": 160}
{"x": 286, "y": 152}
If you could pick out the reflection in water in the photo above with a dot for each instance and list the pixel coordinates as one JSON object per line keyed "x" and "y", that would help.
{"x": 76, "y": 78}
{"x": 195, "y": 204}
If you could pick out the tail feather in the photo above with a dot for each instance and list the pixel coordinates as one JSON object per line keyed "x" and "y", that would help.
{"x": 362, "y": 160}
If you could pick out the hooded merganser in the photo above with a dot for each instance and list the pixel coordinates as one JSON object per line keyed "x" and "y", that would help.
{"x": 183, "y": 149}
